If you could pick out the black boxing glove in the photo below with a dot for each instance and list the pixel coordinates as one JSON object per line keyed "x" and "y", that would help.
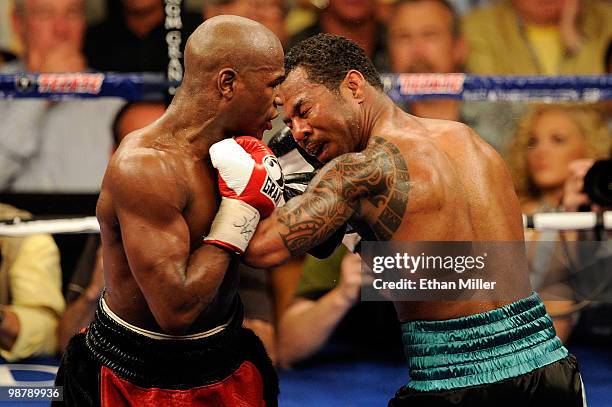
{"x": 298, "y": 166}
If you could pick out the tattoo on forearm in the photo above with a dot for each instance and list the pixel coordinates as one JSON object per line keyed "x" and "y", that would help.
{"x": 373, "y": 186}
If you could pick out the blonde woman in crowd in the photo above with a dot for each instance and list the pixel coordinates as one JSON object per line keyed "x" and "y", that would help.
{"x": 549, "y": 138}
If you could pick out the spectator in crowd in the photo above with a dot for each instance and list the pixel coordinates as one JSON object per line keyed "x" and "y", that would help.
{"x": 133, "y": 37}
{"x": 31, "y": 300}
{"x": 528, "y": 37}
{"x": 549, "y": 138}
{"x": 87, "y": 280}
{"x": 270, "y": 13}
{"x": 594, "y": 263}
{"x": 326, "y": 311}
{"x": 47, "y": 146}
{"x": 52, "y": 34}
{"x": 355, "y": 20}
{"x": 425, "y": 36}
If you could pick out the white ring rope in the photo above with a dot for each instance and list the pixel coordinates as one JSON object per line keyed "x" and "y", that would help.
{"x": 560, "y": 221}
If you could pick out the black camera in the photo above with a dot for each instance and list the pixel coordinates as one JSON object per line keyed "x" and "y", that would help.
{"x": 598, "y": 183}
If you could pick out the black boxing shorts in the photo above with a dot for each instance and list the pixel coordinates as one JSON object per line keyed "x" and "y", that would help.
{"x": 115, "y": 364}
{"x": 509, "y": 356}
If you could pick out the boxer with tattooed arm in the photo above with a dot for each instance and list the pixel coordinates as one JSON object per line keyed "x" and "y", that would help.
{"x": 398, "y": 177}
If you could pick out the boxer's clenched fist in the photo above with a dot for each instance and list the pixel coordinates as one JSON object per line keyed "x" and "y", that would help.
{"x": 251, "y": 184}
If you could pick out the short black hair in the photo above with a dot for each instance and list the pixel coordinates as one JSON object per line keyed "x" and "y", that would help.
{"x": 328, "y": 58}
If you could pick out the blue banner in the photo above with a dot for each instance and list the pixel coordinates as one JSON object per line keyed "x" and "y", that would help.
{"x": 400, "y": 87}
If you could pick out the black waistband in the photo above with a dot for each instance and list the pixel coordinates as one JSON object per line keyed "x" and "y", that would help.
{"x": 166, "y": 363}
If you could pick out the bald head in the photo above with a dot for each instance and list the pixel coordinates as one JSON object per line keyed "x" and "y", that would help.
{"x": 229, "y": 42}
{"x": 233, "y": 67}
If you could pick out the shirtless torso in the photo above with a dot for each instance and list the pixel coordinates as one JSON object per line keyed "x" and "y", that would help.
{"x": 395, "y": 177}
{"x": 458, "y": 190}
{"x": 155, "y": 188}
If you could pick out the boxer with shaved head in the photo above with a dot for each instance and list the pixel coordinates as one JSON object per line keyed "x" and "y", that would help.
{"x": 168, "y": 328}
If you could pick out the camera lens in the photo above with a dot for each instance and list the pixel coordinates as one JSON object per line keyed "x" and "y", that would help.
{"x": 598, "y": 183}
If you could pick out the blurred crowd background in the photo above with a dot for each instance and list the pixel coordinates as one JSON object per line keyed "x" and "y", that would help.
{"x": 53, "y": 154}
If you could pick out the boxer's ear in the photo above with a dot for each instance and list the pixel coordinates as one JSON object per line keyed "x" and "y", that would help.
{"x": 355, "y": 83}
{"x": 226, "y": 79}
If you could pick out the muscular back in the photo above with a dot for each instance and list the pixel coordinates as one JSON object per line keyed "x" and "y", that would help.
{"x": 459, "y": 189}
{"x": 156, "y": 203}
{"x": 417, "y": 180}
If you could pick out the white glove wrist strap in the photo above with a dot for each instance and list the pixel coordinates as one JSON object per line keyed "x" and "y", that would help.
{"x": 234, "y": 224}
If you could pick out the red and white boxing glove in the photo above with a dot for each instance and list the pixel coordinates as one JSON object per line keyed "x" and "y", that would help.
{"x": 251, "y": 184}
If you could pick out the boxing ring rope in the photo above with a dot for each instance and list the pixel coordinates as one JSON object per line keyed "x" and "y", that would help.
{"x": 558, "y": 221}
{"x": 566, "y": 221}
{"x": 60, "y": 86}
{"x": 20, "y": 227}
{"x": 586, "y": 88}
{"x": 400, "y": 87}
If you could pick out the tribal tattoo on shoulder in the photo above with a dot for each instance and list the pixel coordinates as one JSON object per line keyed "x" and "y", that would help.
{"x": 372, "y": 185}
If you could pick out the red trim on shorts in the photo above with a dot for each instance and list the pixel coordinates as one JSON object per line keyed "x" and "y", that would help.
{"x": 243, "y": 388}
